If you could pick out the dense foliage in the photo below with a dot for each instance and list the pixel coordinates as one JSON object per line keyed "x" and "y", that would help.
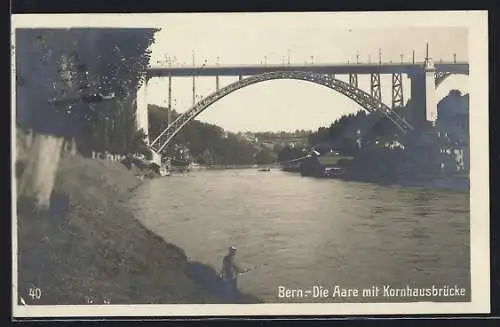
{"x": 81, "y": 83}
{"x": 344, "y": 132}
{"x": 207, "y": 143}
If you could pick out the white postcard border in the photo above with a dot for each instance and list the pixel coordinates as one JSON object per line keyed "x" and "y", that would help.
{"x": 477, "y": 24}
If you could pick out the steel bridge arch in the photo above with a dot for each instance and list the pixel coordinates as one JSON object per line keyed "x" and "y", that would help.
{"x": 365, "y": 100}
{"x": 440, "y": 77}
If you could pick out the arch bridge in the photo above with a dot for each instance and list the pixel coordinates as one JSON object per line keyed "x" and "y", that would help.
{"x": 425, "y": 78}
{"x": 367, "y": 101}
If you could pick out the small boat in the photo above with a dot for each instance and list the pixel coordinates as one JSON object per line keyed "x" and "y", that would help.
{"x": 333, "y": 171}
{"x": 265, "y": 169}
{"x": 195, "y": 165}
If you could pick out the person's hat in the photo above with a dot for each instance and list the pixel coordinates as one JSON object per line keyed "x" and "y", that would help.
{"x": 232, "y": 249}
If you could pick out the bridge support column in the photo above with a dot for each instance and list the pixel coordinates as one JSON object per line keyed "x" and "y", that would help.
{"x": 417, "y": 96}
{"x": 217, "y": 82}
{"x": 430, "y": 92}
{"x": 194, "y": 90}
{"x": 375, "y": 86}
{"x": 142, "y": 121}
{"x": 353, "y": 80}
{"x": 169, "y": 109}
{"x": 423, "y": 96}
{"x": 423, "y": 92}
{"x": 397, "y": 90}
{"x": 156, "y": 158}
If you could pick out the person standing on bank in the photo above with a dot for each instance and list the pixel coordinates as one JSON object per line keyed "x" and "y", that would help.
{"x": 229, "y": 273}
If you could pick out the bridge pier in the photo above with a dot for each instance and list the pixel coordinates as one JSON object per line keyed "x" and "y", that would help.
{"x": 194, "y": 90}
{"x": 417, "y": 96}
{"x": 353, "y": 80}
{"x": 397, "y": 90}
{"x": 169, "y": 109}
{"x": 423, "y": 95}
{"x": 142, "y": 121}
{"x": 430, "y": 92}
{"x": 156, "y": 158}
{"x": 375, "y": 90}
{"x": 217, "y": 82}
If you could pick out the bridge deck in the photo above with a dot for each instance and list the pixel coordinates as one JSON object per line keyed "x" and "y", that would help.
{"x": 247, "y": 70}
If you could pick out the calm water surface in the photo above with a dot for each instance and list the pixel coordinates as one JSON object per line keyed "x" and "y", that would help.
{"x": 314, "y": 231}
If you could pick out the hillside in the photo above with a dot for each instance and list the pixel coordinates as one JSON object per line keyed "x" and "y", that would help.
{"x": 90, "y": 248}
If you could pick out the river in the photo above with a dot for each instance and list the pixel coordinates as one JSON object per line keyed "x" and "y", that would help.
{"x": 315, "y": 232}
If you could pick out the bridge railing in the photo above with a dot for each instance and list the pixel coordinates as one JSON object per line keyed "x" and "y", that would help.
{"x": 236, "y": 66}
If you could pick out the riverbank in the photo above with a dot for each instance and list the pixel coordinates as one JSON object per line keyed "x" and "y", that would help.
{"x": 454, "y": 183}
{"x": 389, "y": 170}
{"x": 224, "y": 167}
{"x": 89, "y": 248}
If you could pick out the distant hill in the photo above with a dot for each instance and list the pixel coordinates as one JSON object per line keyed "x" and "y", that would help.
{"x": 208, "y": 144}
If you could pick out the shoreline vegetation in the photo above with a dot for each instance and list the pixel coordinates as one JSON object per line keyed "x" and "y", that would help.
{"x": 90, "y": 249}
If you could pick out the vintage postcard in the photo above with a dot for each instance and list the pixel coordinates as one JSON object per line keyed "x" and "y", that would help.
{"x": 209, "y": 164}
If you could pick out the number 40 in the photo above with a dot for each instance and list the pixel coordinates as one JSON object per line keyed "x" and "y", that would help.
{"x": 35, "y": 293}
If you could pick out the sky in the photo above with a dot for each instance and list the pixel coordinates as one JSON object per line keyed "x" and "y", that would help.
{"x": 287, "y": 104}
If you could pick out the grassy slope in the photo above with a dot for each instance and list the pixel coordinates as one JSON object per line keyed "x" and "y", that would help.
{"x": 91, "y": 247}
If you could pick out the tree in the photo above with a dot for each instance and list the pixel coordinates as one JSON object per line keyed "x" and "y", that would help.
{"x": 206, "y": 158}
{"x": 207, "y": 143}
{"x": 120, "y": 68}
{"x": 63, "y": 80}
{"x": 43, "y": 70}
{"x": 139, "y": 144}
{"x": 288, "y": 153}
{"x": 265, "y": 156}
